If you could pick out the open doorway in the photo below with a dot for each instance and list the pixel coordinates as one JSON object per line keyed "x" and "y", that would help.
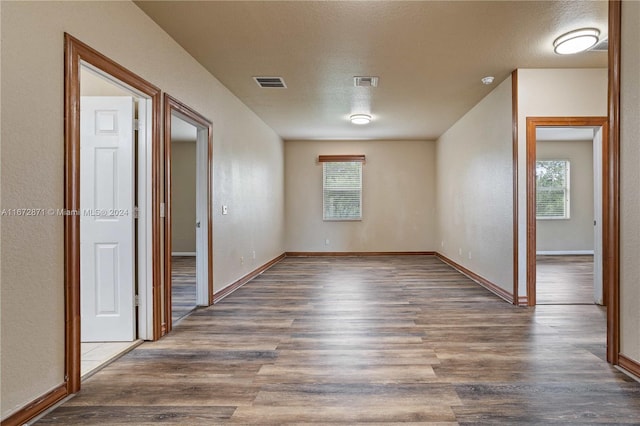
{"x": 188, "y": 227}
{"x": 184, "y": 218}
{"x": 109, "y": 138}
{"x": 111, "y": 211}
{"x": 566, "y": 215}
{"x": 564, "y": 225}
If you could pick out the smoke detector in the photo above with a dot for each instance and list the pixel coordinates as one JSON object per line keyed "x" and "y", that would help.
{"x": 487, "y": 80}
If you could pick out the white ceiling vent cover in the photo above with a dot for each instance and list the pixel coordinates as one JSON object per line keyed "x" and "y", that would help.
{"x": 365, "y": 81}
{"x": 270, "y": 82}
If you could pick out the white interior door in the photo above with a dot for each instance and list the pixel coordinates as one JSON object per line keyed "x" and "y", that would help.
{"x": 106, "y": 219}
{"x": 597, "y": 216}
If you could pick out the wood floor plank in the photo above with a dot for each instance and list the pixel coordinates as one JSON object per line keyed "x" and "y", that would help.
{"x": 562, "y": 280}
{"x": 127, "y": 415}
{"x": 353, "y": 373}
{"x": 357, "y": 340}
{"x": 266, "y": 415}
{"x": 347, "y": 395}
{"x": 183, "y": 286}
{"x": 531, "y": 404}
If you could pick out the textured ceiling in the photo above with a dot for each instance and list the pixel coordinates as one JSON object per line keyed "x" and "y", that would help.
{"x": 429, "y": 55}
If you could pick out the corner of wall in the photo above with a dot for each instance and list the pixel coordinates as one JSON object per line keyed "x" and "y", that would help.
{"x": 474, "y": 196}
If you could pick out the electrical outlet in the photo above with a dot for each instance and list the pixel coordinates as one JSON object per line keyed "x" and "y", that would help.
{"x": 469, "y": 255}
{"x": 442, "y": 243}
{"x": 242, "y": 260}
{"x": 225, "y": 210}
{"x": 460, "y": 251}
{"x": 254, "y": 255}
{"x": 326, "y": 242}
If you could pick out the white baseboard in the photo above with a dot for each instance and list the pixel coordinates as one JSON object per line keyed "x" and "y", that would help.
{"x": 563, "y": 252}
{"x": 183, "y": 253}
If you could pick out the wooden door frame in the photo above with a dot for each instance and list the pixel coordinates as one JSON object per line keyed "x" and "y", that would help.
{"x": 611, "y": 218}
{"x": 172, "y": 105}
{"x": 532, "y": 124}
{"x": 77, "y": 53}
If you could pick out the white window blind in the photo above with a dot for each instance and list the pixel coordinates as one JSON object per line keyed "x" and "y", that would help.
{"x": 552, "y": 189}
{"x": 342, "y": 190}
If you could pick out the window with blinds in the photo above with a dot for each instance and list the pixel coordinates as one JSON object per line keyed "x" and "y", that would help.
{"x": 552, "y": 189}
{"x": 342, "y": 190}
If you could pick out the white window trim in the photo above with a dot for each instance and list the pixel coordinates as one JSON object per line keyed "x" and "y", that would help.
{"x": 567, "y": 193}
{"x": 341, "y": 160}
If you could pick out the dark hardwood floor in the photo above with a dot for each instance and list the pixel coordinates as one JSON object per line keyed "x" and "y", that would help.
{"x": 564, "y": 280}
{"x": 183, "y": 286}
{"x": 351, "y": 340}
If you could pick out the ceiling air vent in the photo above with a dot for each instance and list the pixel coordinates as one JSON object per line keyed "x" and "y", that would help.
{"x": 363, "y": 81}
{"x": 270, "y": 82}
{"x": 602, "y": 46}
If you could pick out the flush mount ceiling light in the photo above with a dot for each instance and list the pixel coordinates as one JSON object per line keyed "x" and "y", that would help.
{"x": 576, "y": 41}
{"x": 360, "y": 119}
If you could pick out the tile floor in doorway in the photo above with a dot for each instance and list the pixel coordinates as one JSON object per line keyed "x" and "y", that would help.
{"x": 95, "y": 355}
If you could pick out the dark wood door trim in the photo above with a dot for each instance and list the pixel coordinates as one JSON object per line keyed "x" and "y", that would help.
{"x": 532, "y": 124}
{"x": 76, "y": 53}
{"x": 611, "y": 216}
{"x": 514, "y": 129}
{"x": 171, "y": 105}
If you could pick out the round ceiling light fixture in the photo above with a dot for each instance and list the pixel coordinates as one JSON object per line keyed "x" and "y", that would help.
{"x": 360, "y": 119}
{"x": 576, "y": 41}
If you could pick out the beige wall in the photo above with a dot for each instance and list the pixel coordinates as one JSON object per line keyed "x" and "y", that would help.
{"x": 576, "y": 233}
{"x": 630, "y": 182}
{"x": 551, "y": 93}
{"x": 183, "y": 197}
{"x": 398, "y": 197}
{"x": 248, "y": 170}
{"x": 475, "y": 195}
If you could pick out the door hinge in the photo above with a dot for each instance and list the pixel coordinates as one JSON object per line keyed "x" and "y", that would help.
{"x": 162, "y": 214}
{"x": 137, "y": 298}
{"x": 136, "y": 212}
{"x": 137, "y": 124}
